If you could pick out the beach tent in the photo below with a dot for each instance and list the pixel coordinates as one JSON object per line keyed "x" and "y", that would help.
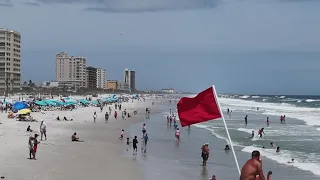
{"x": 20, "y": 105}
{"x": 71, "y": 102}
{"x": 49, "y": 102}
{"x": 95, "y": 102}
{"x": 83, "y": 101}
{"x": 40, "y": 103}
{"x": 24, "y": 111}
{"x": 60, "y": 103}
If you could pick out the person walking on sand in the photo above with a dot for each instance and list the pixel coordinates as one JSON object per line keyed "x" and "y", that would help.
{"x": 134, "y": 145}
{"x": 205, "y": 154}
{"x": 43, "y": 130}
{"x": 252, "y": 168}
{"x": 94, "y": 116}
{"x": 115, "y": 114}
{"x": 33, "y": 146}
{"x": 144, "y": 129}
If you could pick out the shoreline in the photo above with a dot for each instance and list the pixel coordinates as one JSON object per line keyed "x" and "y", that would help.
{"x": 166, "y": 159}
{"x": 98, "y": 157}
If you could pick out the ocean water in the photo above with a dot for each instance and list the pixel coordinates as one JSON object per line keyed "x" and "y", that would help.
{"x": 298, "y": 138}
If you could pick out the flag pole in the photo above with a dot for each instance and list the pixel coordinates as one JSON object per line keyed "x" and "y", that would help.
{"x": 226, "y": 127}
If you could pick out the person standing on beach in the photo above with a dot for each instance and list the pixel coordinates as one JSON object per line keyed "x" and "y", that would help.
{"x": 43, "y": 130}
{"x": 205, "y": 154}
{"x": 252, "y": 168}
{"x": 268, "y": 122}
{"x": 33, "y": 146}
{"x": 94, "y": 116}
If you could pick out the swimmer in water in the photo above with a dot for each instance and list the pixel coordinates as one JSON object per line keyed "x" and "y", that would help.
{"x": 268, "y": 122}
{"x": 252, "y": 134}
{"x": 272, "y": 145}
{"x": 292, "y": 161}
{"x": 278, "y": 149}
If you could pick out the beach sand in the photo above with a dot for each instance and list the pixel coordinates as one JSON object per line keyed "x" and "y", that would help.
{"x": 98, "y": 157}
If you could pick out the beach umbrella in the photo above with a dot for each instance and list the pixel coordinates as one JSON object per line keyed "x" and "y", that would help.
{"x": 83, "y": 101}
{"x": 24, "y": 111}
{"x": 49, "y": 102}
{"x": 20, "y": 105}
{"x": 40, "y": 103}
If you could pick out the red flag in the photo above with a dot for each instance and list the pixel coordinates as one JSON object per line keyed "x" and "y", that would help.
{"x": 203, "y": 107}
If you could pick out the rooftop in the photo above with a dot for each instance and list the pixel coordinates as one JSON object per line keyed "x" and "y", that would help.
{"x": 12, "y": 31}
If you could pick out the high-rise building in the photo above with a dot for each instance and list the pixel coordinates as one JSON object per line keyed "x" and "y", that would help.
{"x": 92, "y": 77}
{"x": 129, "y": 81}
{"x": 101, "y": 78}
{"x": 10, "y": 59}
{"x": 71, "y": 70}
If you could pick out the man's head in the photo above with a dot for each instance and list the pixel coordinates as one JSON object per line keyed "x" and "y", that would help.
{"x": 255, "y": 155}
{"x": 213, "y": 177}
{"x": 36, "y": 135}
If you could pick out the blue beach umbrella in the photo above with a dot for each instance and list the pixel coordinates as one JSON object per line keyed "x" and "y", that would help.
{"x": 20, "y": 105}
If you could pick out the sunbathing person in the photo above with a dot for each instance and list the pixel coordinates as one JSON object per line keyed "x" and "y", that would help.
{"x": 75, "y": 138}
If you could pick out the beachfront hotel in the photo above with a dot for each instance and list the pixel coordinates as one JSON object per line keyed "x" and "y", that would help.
{"x": 101, "y": 78}
{"x": 71, "y": 70}
{"x": 129, "y": 82}
{"x": 10, "y": 59}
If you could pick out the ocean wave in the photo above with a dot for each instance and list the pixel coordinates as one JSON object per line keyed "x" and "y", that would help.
{"x": 312, "y": 100}
{"x": 311, "y": 116}
{"x": 244, "y": 97}
{"x": 255, "y": 97}
{"x": 284, "y": 156}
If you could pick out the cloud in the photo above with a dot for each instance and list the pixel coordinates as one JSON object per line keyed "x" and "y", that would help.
{"x": 6, "y": 3}
{"x": 136, "y": 6}
{"x": 31, "y": 4}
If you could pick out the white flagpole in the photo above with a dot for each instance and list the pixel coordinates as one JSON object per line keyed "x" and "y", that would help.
{"x": 225, "y": 125}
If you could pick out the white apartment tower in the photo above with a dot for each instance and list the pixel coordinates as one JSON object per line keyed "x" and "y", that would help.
{"x": 71, "y": 70}
{"x": 10, "y": 59}
{"x": 101, "y": 78}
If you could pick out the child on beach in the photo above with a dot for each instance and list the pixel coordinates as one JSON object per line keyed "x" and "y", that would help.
{"x": 121, "y": 135}
{"x": 269, "y": 176}
{"x": 94, "y": 116}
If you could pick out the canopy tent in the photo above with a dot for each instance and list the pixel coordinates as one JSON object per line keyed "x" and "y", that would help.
{"x": 40, "y": 103}
{"x": 24, "y": 111}
{"x": 20, "y": 105}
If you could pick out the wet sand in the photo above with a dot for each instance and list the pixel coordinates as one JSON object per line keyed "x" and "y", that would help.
{"x": 98, "y": 157}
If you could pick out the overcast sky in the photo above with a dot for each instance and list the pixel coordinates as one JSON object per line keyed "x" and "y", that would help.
{"x": 241, "y": 46}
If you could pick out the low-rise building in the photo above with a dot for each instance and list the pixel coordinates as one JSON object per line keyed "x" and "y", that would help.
{"x": 170, "y": 90}
{"x": 112, "y": 84}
